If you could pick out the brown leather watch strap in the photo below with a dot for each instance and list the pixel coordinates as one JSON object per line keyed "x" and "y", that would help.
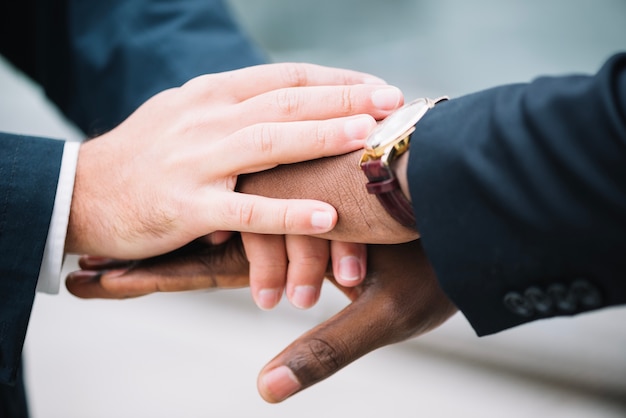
{"x": 384, "y": 184}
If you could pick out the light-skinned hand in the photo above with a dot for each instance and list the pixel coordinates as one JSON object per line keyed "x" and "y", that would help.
{"x": 167, "y": 174}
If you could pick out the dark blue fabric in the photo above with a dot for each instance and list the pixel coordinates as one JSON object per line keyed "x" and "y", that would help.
{"x": 99, "y": 60}
{"x": 13, "y": 400}
{"x": 525, "y": 185}
{"x": 29, "y": 169}
{"x": 123, "y": 52}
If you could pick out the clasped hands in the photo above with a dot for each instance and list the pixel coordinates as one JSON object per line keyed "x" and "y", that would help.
{"x": 182, "y": 246}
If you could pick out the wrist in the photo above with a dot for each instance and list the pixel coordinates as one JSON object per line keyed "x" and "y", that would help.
{"x": 385, "y": 145}
{"x": 86, "y": 222}
{"x": 76, "y": 228}
{"x": 339, "y": 182}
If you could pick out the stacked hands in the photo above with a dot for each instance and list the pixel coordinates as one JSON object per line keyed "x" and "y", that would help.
{"x": 217, "y": 155}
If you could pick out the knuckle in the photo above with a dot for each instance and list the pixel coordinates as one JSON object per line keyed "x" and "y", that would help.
{"x": 286, "y": 220}
{"x": 311, "y": 252}
{"x": 263, "y": 138}
{"x": 322, "y": 136}
{"x": 245, "y": 212}
{"x": 199, "y": 86}
{"x": 295, "y": 74}
{"x": 287, "y": 102}
{"x": 318, "y": 360}
{"x": 289, "y": 219}
{"x": 328, "y": 358}
{"x": 347, "y": 100}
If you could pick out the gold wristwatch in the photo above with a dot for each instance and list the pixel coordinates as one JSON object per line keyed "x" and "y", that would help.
{"x": 386, "y": 143}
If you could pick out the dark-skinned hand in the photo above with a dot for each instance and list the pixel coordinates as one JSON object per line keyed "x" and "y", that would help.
{"x": 400, "y": 298}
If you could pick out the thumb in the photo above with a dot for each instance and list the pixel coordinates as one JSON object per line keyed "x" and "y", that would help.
{"x": 355, "y": 331}
{"x": 399, "y": 299}
{"x": 263, "y": 215}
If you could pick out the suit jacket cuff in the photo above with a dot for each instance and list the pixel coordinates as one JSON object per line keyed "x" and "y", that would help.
{"x": 29, "y": 170}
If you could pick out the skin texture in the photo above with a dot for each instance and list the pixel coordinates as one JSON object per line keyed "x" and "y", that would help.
{"x": 399, "y": 299}
{"x": 295, "y": 265}
{"x": 339, "y": 182}
{"x": 154, "y": 184}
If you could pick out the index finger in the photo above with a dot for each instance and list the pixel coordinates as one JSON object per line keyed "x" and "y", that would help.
{"x": 252, "y": 81}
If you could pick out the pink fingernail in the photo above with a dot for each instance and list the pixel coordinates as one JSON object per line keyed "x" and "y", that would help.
{"x": 268, "y": 298}
{"x": 349, "y": 268}
{"x": 322, "y": 220}
{"x": 96, "y": 262}
{"x": 387, "y": 99}
{"x": 280, "y": 383}
{"x": 83, "y": 276}
{"x": 112, "y": 274}
{"x": 304, "y": 296}
{"x": 359, "y": 127}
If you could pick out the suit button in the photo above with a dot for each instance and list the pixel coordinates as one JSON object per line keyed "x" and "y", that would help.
{"x": 539, "y": 299}
{"x": 564, "y": 299}
{"x": 587, "y": 294}
{"x": 518, "y": 304}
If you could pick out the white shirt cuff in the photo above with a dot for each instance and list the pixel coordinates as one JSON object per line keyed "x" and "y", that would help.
{"x": 50, "y": 272}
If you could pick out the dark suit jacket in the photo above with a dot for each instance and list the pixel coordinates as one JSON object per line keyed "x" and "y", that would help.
{"x": 97, "y": 60}
{"x": 520, "y": 196}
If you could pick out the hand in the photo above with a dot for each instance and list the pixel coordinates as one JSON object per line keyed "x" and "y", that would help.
{"x": 195, "y": 266}
{"x": 399, "y": 299}
{"x": 166, "y": 175}
{"x": 299, "y": 262}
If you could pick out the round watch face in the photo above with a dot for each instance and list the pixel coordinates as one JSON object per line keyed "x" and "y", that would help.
{"x": 397, "y": 123}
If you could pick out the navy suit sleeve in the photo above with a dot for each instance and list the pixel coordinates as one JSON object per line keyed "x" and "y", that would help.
{"x": 123, "y": 52}
{"x": 520, "y": 196}
{"x": 99, "y": 60}
{"x": 29, "y": 170}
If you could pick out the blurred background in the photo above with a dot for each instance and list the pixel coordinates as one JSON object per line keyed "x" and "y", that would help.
{"x": 198, "y": 354}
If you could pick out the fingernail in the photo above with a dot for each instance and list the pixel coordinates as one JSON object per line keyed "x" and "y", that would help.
{"x": 112, "y": 274}
{"x": 322, "y": 220}
{"x": 83, "y": 276}
{"x": 359, "y": 127}
{"x": 268, "y": 298}
{"x": 349, "y": 268}
{"x": 96, "y": 262}
{"x": 304, "y": 296}
{"x": 280, "y": 383}
{"x": 373, "y": 80}
{"x": 387, "y": 99}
